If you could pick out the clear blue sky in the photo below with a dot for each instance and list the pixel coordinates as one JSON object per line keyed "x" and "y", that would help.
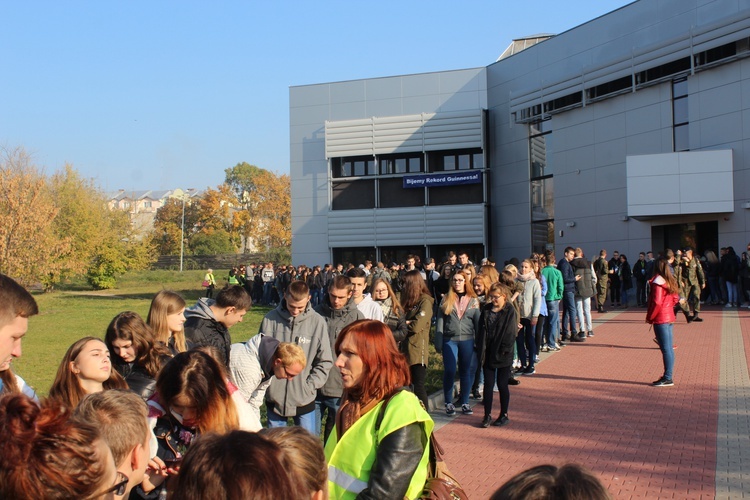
{"x": 166, "y": 94}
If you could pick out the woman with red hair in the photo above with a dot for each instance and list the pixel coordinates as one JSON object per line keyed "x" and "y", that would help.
{"x": 380, "y": 445}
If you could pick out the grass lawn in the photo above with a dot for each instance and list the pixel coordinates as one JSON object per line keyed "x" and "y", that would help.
{"x": 74, "y": 311}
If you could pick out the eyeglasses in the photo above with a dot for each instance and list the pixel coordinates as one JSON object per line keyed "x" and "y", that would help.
{"x": 496, "y": 297}
{"x": 458, "y": 281}
{"x": 119, "y": 487}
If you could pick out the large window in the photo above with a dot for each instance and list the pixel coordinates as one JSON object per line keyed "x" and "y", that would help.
{"x": 448, "y": 161}
{"x": 680, "y": 115}
{"x": 358, "y": 166}
{"x": 456, "y": 195}
{"x": 354, "y": 256}
{"x": 363, "y": 182}
{"x": 351, "y": 195}
{"x": 401, "y": 164}
{"x": 391, "y": 194}
{"x": 542, "y": 187}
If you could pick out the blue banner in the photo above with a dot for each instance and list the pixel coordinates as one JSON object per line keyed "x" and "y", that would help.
{"x": 437, "y": 180}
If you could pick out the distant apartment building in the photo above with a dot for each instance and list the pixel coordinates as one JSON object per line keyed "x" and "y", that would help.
{"x": 141, "y": 206}
{"x": 627, "y": 132}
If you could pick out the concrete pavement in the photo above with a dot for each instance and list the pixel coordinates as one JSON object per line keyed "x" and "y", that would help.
{"x": 592, "y": 403}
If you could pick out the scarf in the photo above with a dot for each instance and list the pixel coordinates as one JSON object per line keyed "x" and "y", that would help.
{"x": 525, "y": 277}
{"x": 350, "y": 411}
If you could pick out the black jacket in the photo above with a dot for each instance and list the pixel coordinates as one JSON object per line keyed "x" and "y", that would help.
{"x": 202, "y": 328}
{"x": 138, "y": 379}
{"x": 494, "y": 346}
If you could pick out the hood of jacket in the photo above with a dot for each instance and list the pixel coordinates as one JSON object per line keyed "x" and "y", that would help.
{"x": 201, "y": 309}
{"x": 325, "y": 309}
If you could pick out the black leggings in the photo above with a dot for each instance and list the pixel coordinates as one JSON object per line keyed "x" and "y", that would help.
{"x": 418, "y": 376}
{"x": 501, "y": 375}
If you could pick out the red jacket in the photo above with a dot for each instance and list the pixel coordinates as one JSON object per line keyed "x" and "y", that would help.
{"x": 660, "y": 302}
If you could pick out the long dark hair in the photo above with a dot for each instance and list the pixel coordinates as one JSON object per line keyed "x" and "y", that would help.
{"x": 130, "y": 326}
{"x": 413, "y": 288}
{"x": 665, "y": 271}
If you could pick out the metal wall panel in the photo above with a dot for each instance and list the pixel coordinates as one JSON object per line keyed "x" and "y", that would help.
{"x": 404, "y": 134}
{"x": 407, "y": 226}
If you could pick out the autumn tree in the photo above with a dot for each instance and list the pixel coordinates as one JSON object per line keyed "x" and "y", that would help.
{"x": 265, "y": 198}
{"x": 168, "y": 226}
{"x": 30, "y": 249}
{"x": 96, "y": 233}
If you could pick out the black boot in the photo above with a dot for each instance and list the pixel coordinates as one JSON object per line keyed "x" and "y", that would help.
{"x": 696, "y": 318}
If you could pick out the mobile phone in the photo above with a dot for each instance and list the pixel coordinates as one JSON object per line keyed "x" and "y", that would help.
{"x": 173, "y": 463}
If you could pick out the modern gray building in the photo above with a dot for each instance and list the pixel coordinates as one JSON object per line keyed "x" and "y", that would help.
{"x": 625, "y": 133}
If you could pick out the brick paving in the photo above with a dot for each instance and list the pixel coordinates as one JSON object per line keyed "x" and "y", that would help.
{"x": 592, "y": 403}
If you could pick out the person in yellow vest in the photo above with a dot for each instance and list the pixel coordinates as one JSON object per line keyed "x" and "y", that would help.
{"x": 374, "y": 454}
{"x": 209, "y": 283}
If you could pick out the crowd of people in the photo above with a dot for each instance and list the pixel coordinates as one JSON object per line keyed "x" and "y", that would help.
{"x": 168, "y": 405}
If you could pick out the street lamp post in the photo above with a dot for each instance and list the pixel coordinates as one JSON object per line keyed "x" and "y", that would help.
{"x": 182, "y": 232}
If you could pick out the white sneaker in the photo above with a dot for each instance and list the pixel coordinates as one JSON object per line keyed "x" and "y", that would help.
{"x": 728, "y": 305}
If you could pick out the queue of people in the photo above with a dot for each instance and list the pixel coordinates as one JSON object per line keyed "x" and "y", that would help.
{"x": 333, "y": 356}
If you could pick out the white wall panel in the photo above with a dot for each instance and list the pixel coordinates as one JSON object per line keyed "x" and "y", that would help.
{"x": 698, "y": 181}
{"x": 407, "y": 226}
{"x": 405, "y": 133}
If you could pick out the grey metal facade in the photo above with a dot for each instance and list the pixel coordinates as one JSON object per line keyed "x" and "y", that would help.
{"x": 606, "y": 92}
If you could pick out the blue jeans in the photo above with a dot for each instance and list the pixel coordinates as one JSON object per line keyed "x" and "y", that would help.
{"x": 267, "y": 289}
{"x": 732, "y": 293}
{"x": 526, "y": 342}
{"x": 569, "y": 313}
{"x": 329, "y": 405}
{"x": 713, "y": 288}
{"x": 664, "y": 337}
{"x": 461, "y": 352}
{"x": 625, "y": 297}
{"x": 306, "y": 421}
{"x": 552, "y": 323}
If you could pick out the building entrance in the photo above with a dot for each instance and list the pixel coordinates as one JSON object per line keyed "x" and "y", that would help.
{"x": 701, "y": 236}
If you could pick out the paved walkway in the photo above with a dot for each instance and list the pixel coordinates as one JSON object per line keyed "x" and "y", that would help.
{"x": 593, "y": 403}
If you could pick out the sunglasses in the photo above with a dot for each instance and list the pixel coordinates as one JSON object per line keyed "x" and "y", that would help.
{"x": 119, "y": 487}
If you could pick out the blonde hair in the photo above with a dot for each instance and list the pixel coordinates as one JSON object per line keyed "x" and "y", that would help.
{"x": 290, "y": 354}
{"x": 451, "y": 298}
{"x": 165, "y": 303}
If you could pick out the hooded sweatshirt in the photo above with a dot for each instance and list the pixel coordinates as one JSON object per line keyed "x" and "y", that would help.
{"x": 336, "y": 321}
{"x": 370, "y": 308}
{"x": 202, "y": 328}
{"x": 290, "y": 398}
{"x": 251, "y": 368}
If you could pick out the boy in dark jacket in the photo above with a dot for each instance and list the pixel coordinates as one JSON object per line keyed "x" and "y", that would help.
{"x": 207, "y": 323}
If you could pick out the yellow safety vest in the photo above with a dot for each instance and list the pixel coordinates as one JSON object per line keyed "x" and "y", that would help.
{"x": 350, "y": 460}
